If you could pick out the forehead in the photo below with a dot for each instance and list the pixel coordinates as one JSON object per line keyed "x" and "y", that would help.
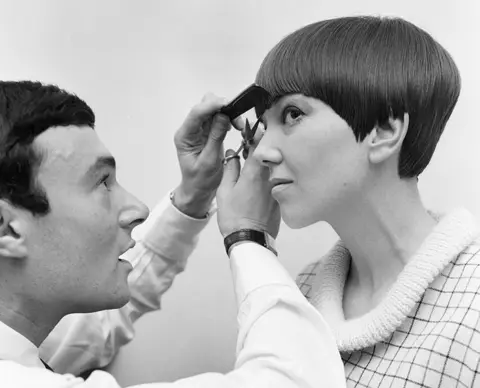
{"x": 287, "y": 97}
{"x": 68, "y": 151}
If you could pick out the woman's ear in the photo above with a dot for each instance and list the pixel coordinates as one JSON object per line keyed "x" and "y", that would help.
{"x": 12, "y": 238}
{"x": 386, "y": 140}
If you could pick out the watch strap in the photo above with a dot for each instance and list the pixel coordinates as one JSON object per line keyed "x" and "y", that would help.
{"x": 262, "y": 238}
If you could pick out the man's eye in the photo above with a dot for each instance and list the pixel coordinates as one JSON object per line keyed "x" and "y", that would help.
{"x": 104, "y": 180}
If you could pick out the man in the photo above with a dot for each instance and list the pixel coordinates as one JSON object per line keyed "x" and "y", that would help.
{"x": 66, "y": 221}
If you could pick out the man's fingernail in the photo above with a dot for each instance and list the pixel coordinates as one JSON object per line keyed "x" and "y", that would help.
{"x": 229, "y": 155}
{"x": 227, "y": 159}
{"x": 222, "y": 119}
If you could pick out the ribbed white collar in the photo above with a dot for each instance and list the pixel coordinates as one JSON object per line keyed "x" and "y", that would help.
{"x": 452, "y": 234}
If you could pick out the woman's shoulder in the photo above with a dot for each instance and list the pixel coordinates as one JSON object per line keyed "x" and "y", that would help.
{"x": 332, "y": 267}
{"x": 470, "y": 256}
{"x": 457, "y": 288}
{"x": 464, "y": 269}
{"x": 448, "y": 312}
{"x": 306, "y": 277}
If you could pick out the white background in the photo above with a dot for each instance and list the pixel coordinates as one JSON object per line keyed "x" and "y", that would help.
{"x": 142, "y": 64}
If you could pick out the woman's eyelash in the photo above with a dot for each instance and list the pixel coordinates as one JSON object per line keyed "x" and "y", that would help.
{"x": 291, "y": 109}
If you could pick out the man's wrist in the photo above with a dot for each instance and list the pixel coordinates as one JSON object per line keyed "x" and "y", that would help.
{"x": 249, "y": 235}
{"x": 195, "y": 205}
{"x": 227, "y": 230}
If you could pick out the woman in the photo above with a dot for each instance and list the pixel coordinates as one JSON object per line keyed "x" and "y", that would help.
{"x": 359, "y": 104}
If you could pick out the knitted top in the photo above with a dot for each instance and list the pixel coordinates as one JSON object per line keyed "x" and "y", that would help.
{"x": 426, "y": 330}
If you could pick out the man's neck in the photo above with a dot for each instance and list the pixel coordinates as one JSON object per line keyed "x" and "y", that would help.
{"x": 34, "y": 327}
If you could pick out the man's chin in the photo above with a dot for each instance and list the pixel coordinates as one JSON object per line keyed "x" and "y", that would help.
{"x": 122, "y": 296}
{"x": 122, "y": 293}
{"x": 120, "y": 302}
{"x": 112, "y": 300}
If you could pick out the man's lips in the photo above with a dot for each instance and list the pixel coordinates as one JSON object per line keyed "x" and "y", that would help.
{"x": 130, "y": 245}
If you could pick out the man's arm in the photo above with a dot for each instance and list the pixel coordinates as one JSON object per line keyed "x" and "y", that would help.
{"x": 81, "y": 342}
{"x": 283, "y": 341}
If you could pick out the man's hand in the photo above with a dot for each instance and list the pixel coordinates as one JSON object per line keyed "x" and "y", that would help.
{"x": 199, "y": 144}
{"x": 244, "y": 199}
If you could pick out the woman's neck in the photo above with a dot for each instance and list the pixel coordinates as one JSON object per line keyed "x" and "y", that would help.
{"x": 382, "y": 231}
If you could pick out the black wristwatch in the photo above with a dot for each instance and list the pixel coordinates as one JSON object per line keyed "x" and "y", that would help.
{"x": 262, "y": 238}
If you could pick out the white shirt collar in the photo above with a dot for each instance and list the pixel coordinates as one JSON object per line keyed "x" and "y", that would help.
{"x": 15, "y": 347}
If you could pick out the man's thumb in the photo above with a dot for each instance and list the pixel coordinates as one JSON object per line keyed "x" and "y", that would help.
{"x": 231, "y": 170}
{"x": 218, "y": 131}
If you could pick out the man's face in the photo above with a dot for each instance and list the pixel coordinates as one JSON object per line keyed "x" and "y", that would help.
{"x": 74, "y": 250}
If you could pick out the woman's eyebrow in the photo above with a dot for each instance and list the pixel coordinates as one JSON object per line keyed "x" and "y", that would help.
{"x": 281, "y": 102}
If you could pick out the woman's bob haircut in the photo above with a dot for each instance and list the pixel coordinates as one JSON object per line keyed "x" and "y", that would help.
{"x": 368, "y": 69}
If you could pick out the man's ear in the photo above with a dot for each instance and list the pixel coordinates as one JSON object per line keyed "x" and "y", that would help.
{"x": 386, "y": 140}
{"x": 12, "y": 236}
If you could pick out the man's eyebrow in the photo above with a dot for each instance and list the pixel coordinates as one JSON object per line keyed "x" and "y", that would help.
{"x": 101, "y": 162}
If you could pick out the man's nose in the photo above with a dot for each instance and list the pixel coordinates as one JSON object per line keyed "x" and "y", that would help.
{"x": 134, "y": 213}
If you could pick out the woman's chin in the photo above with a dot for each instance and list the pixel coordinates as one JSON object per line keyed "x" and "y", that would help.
{"x": 297, "y": 221}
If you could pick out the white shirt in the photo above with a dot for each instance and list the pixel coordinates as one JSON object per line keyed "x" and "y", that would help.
{"x": 283, "y": 342}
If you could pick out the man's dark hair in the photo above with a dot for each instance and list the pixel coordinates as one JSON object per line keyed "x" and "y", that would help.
{"x": 368, "y": 69}
{"x": 27, "y": 109}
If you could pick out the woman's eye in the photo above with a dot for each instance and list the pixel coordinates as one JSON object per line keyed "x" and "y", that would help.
{"x": 291, "y": 115}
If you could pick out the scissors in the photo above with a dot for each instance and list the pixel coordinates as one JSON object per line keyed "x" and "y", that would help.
{"x": 253, "y": 96}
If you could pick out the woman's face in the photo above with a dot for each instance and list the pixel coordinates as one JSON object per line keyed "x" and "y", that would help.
{"x": 314, "y": 160}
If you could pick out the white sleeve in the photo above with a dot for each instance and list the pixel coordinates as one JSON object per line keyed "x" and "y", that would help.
{"x": 283, "y": 341}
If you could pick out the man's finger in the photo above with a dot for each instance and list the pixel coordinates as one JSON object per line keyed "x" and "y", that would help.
{"x": 256, "y": 140}
{"x": 238, "y": 123}
{"x": 231, "y": 171}
{"x": 199, "y": 113}
{"x": 218, "y": 131}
